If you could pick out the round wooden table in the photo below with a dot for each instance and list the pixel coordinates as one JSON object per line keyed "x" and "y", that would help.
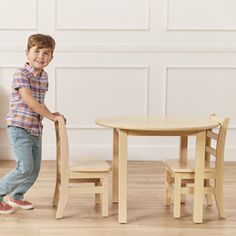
{"x": 142, "y": 125}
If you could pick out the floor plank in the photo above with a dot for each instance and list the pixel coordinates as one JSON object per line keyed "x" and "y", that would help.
{"x": 147, "y": 213}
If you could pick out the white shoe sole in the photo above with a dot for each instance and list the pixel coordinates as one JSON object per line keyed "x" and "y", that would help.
{"x": 26, "y": 207}
{"x": 6, "y": 212}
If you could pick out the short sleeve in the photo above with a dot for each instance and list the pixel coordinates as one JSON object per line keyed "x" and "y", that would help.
{"x": 47, "y": 86}
{"x": 20, "y": 80}
{"x": 44, "y": 80}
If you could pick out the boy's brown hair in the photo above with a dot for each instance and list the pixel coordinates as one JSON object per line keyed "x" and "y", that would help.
{"x": 41, "y": 41}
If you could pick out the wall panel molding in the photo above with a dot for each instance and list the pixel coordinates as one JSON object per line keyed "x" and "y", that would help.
{"x": 232, "y": 124}
{"x": 4, "y": 94}
{"x": 111, "y": 15}
{"x": 183, "y": 15}
{"x": 146, "y": 79}
{"x": 154, "y": 48}
{"x": 26, "y": 13}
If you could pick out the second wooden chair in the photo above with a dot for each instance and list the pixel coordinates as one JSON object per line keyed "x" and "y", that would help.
{"x": 179, "y": 176}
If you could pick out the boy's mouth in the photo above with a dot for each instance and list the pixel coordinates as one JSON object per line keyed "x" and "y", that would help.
{"x": 39, "y": 62}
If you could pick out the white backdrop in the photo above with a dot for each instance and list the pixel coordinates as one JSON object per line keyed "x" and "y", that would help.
{"x": 163, "y": 57}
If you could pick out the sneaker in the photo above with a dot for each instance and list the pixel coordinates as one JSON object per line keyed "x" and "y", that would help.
{"x": 20, "y": 203}
{"x": 5, "y": 208}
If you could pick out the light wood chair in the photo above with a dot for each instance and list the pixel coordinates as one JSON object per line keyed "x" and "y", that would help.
{"x": 95, "y": 172}
{"x": 179, "y": 175}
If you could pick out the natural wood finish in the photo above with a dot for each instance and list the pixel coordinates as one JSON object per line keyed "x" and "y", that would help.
{"x": 198, "y": 178}
{"x": 179, "y": 172}
{"x": 95, "y": 171}
{"x": 154, "y": 126}
{"x": 148, "y": 214}
{"x": 155, "y": 123}
{"x": 115, "y": 166}
{"x": 183, "y": 151}
{"x": 123, "y": 178}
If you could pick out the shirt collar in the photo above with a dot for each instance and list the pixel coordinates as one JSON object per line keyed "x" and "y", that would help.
{"x": 29, "y": 68}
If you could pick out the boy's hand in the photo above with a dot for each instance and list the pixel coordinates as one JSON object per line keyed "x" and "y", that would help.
{"x": 57, "y": 115}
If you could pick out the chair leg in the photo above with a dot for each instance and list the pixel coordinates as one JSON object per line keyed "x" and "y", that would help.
{"x": 105, "y": 196}
{"x": 56, "y": 195}
{"x": 208, "y": 196}
{"x": 167, "y": 188}
{"x": 63, "y": 196}
{"x": 183, "y": 196}
{"x": 97, "y": 195}
{"x": 219, "y": 197}
{"x": 177, "y": 195}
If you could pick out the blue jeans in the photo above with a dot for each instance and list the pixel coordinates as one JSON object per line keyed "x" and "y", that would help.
{"x": 27, "y": 152}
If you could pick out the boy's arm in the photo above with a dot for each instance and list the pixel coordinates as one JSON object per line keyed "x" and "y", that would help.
{"x": 41, "y": 109}
{"x": 54, "y": 113}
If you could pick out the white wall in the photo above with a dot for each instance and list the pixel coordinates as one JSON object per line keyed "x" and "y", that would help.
{"x": 164, "y": 57}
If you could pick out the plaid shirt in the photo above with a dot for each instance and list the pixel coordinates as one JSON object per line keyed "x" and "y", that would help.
{"x": 20, "y": 114}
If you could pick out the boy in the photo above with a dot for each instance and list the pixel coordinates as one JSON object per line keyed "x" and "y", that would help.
{"x": 24, "y": 121}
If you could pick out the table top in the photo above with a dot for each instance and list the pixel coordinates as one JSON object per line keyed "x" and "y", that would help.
{"x": 156, "y": 123}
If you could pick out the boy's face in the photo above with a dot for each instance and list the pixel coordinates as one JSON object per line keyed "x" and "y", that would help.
{"x": 39, "y": 57}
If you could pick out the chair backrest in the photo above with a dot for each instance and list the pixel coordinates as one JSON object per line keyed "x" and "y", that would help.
{"x": 218, "y": 150}
{"x": 62, "y": 151}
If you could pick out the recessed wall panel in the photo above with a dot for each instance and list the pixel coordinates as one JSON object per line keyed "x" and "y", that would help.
{"x": 201, "y": 14}
{"x": 102, "y": 14}
{"x": 85, "y": 94}
{"x": 197, "y": 92}
{"x": 18, "y": 14}
{"x": 6, "y": 75}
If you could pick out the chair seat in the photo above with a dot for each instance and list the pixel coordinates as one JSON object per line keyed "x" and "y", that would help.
{"x": 91, "y": 166}
{"x": 184, "y": 167}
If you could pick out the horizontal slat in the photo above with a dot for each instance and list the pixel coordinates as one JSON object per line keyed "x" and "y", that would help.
{"x": 190, "y": 190}
{"x": 212, "y": 135}
{"x": 211, "y": 150}
{"x": 84, "y": 180}
{"x": 87, "y": 189}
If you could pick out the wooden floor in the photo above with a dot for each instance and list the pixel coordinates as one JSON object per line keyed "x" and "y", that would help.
{"x": 147, "y": 214}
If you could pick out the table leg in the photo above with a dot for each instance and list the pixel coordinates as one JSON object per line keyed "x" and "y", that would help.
{"x": 183, "y": 152}
{"x": 183, "y": 156}
{"x": 115, "y": 165}
{"x": 122, "y": 205}
{"x": 199, "y": 177}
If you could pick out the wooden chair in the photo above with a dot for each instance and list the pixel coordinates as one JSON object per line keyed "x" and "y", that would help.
{"x": 91, "y": 171}
{"x": 179, "y": 176}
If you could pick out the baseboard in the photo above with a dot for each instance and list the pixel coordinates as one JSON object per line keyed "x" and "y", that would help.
{"x": 135, "y": 152}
